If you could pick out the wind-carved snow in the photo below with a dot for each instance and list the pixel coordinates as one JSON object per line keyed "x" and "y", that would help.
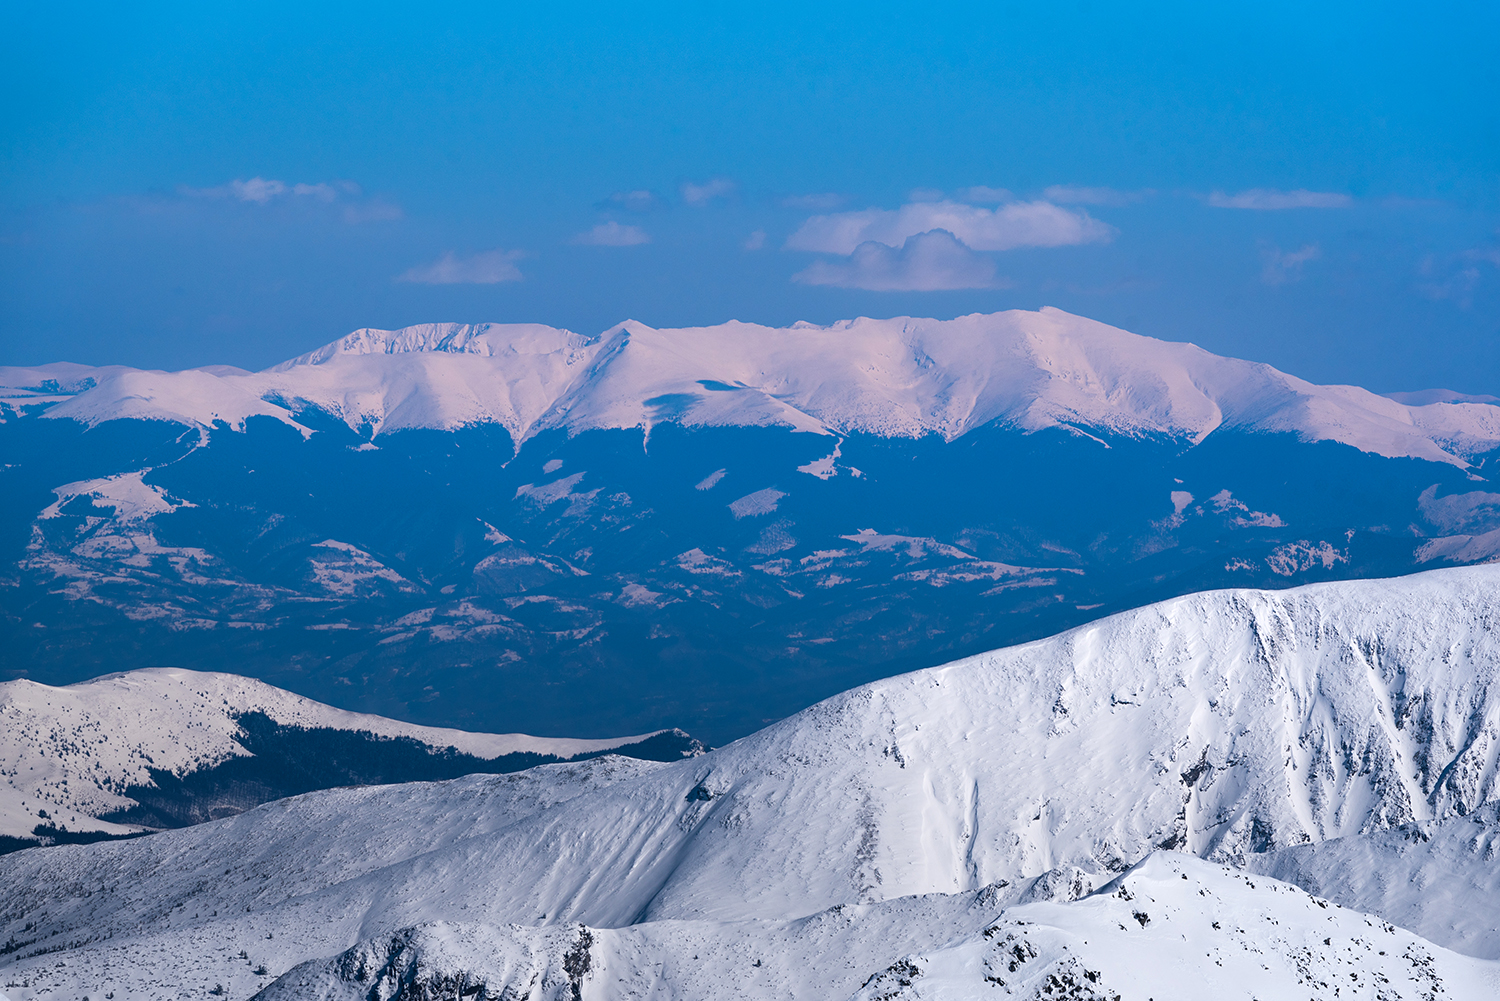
{"x": 904, "y": 377}
{"x": 1227, "y": 725}
{"x": 1437, "y": 878}
{"x": 1176, "y": 927}
{"x": 1142, "y": 933}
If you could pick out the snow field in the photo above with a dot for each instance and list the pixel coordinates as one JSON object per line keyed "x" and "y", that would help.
{"x": 1245, "y": 728}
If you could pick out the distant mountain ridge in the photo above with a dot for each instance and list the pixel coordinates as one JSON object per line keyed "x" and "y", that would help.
{"x": 512, "y": 527}
{"x": 166, "y": 747}
{"x": 900, "y": 377}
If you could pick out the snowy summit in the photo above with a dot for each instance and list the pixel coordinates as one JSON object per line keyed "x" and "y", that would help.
{"x": 901, "y": 377}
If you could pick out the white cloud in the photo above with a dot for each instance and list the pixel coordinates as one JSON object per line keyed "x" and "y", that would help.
{"x": 1071, "y": 194}
{"x": 822, "y": 200}
{"x": 756, "y": 240}
{"x": 257, "y": 189}
{"x": 702, "y": 194}
{"x": 1019, "y": 224}
{"x": 322, "y": 192}
{"x": 926, "y": 262}
{"x": 983, "y": 193}
{"x": 264, "y": 191}
{"x": 1269, "y": 199}
{"x": 612, "y": 234}
{"x": 1281, "y": 266}
{"x": 634, "y": 201}
{"x": 488, "y": 268}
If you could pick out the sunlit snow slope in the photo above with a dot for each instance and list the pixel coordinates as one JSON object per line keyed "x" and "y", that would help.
{"x": 72, "y": 755}
{"x": 1228, "y": 725}
{"x": 1176, "y": 928}
{"x": 901, "y": 377}
{"x": 1173, "y": 927}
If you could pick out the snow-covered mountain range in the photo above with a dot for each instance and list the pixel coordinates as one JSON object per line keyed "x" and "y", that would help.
{"x": 79, "y": 761}
{"x": 513, "y": 527}
{"x": 900, "y": 377}
{"x": 1051, "y": 817}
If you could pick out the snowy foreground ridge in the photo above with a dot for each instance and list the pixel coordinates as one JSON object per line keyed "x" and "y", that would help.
{"x": 1090, "y": 816}
{"x": 894, "y": 377}
{"x": 73, "y": 751}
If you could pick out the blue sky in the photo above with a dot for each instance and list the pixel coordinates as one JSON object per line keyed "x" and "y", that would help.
{"x": 1318, "y": 189}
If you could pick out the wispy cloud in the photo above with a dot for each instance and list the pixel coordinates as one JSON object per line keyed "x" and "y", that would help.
{"x": 1070, "y": 194}
{"x": 926, "y": 262}
{"x": 1457, "y": 286}
{"x": 257, "y": 189}
{"x": 322, "y": 192}
{"x": 265, "y": 191}
{"x": 756, "y": 240}
{"x": 1019, "y": 224}
{"x": 634, "y": 201}
{"x": 699, "y": 195}
{"x": 1270, "y": 200}
{"x": 1278, "y": 267}
{"x": 613, "y": 234}
{"x": 1456, "y": 277}
{"x": 488, "y": 268}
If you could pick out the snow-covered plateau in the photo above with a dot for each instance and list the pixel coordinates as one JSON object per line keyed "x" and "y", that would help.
{"x": 514, "y": 527}
{"x": 1114, "y": 811}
